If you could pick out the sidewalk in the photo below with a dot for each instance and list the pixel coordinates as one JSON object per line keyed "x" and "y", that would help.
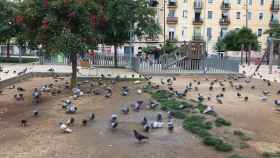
{"x": 83, "y": 72}
{"x": 263, "y": 70}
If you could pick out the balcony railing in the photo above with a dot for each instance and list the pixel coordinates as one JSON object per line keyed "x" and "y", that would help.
{"x": 225, "y": 6}
{"x": 198, "y": 5}
{"x": 224, "y": 21}
{"x": 172, "y": 20}
{"x": 197, "y": 22}
{"x": 275, "y": 7}
{"x": 153, "y": 3}
{"x": 172, "y": 4}
{"x": 151, "y": 38}
{"x": 197, "y": 38}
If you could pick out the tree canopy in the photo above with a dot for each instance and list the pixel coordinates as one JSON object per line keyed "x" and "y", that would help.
{"x": 274, "y": 31}
{"x": 234, "y": 40}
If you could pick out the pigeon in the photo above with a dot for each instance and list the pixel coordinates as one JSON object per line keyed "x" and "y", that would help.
{"x": 139, "y": 91}
{"x": 71, "y": 109}
{"x": 200, "y": 98}
{"x": 278, "y": 92}
{"x": 277, "y": 102}
{"x": 246, "y": 98}
{"x": 144, "y": 121}
{"x": 146, "y": 127}
{"x": 114, "y": 124}
{"x": 92, "y": 117}
{"x": 208, "y": 109}
{"x": 223, "y": 89}
{"x": 125, "y": 110}
{"x": 124, "y": 93}
{"x": 70, "y": 121}
{"x": 159, "y": 117}
{"x": 170, "y": 115}
{"x": 20, "y": 89}
{"x": 170, "y": 125}
{"x": 266, "y": 92}
{"x": 162, "y": 82}
{"x": 114, "y": 117}
{"x": 153, "y": 105}
{"x": 35, "y": 113}
{"x": 139, "y": 136}
{"x": 210, "y": 88}
{"x": 219, "y": 100}
{"x": 238, "y": 94}
{"x": 64, "y": 128}
{"x": 263, "y": 98}
{"x": 23, "y": 123}
{"x": 19, "y": 97}
{"x": 84, "y": 122}
{"x": 180, "y": 95}
{"x": 253, "y": 87}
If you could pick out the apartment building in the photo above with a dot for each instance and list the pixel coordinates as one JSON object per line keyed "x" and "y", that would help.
{"x": 208, "y": 20}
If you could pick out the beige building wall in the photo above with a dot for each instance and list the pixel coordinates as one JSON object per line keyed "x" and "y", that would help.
{"x": 183, "y": 27}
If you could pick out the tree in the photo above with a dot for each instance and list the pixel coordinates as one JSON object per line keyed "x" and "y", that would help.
{"x": 239, "y": 40}
{"x": 126, "y": 18}
{"x": 7, "y": 23}
{"x": 57, "y": 26}
{"x": 274, "y": 31}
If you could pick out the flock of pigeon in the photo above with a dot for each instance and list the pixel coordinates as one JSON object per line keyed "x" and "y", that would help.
{"x": 137, "y": 106}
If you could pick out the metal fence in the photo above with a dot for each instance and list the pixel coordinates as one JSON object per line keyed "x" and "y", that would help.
{"x": 187, "y": 66}
{"x": 213, "y": 65}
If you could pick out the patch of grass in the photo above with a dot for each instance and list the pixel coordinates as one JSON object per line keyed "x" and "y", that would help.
{"x": 244, "y": 145}
{"x": 201, "y": 107}
{"x": 271, "y": 155}
{"x": 162, "y": 95}
{"x": 16, "y": 60}
{"x": 241, "y": 135}
{"x": 237, "y": 156}
{"x": 222, "y": 122}
{"x": 218, "y": 143}
{"x": 197, "y": 125}
{"x": 179, "y": 114}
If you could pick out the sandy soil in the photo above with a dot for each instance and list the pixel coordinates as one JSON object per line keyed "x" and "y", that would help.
{"x": 42, "y": 138}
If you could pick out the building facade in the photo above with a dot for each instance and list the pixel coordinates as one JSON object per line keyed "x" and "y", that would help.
{"x": 209, "y": 20}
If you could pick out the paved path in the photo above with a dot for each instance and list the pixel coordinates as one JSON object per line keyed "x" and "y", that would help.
{"x": 83, "y": 72}
{"x": 263, "y": 70}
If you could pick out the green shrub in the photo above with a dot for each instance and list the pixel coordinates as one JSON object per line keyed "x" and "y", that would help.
{"x": 218, "y": 143}
{"x": 244, "y": 145}
{"x": 224, "y": 147}
{"x": 237, "y": 156}
{"x": 271, "y": 155}
{"x": 197, "y": 125}
{"x": 201, "y": 107}
{"x": 179, "y": 114}
{"x": 222, "y": 122}
{"x": 241, "y": 135}
{"x": 16, "y": 60}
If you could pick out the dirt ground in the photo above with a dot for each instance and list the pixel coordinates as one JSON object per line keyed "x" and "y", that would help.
{"x": 43, "y": 139}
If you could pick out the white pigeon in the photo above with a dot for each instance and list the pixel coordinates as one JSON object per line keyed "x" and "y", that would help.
{"x": 263, "y": 98}
{"x": 64, "y": 128}
{"x": 139, "y": 91}
{"x": 157, "y": 124}
{"x": 277, "y": 102}
{"x": 208, "y": 109}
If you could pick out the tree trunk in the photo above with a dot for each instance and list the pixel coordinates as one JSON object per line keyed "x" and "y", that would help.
{"x": 249, "y": 55}
{"x": 242, "y": 50}
{"x": 20, "y": 53}
{"x": 73, "y": 58}
{"x": 115, "y": 55}
{"x": 8, "y": 49}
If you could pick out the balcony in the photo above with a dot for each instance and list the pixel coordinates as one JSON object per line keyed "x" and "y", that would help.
{"x": 275, "y": 7}
{"x": 153, "y": 3}
{"x": 197, "y": 22}
{"x": 197, "y": 38}
{"x": 224, "y": 21}
{"x": 225, "y": 6}
{"x": 172, "y": 20}
{"x": 172, "y": 4}
{"x": 198, "y": 5}
{"x": 151, "y": 38}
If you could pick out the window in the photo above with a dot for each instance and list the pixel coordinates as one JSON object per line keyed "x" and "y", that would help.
{"x": 210, "y": 1}
{"x": 171, "y": 13}
{"x": 210, "y": 14}
{"x": 185, "y": 14}
{"x": 262, "y": 2}
{"x": 209, "y": 33}
{"x": 223, "y": 32}
{"x": 237, "y": 15}
{"x": 250, "y": 2}
{"x": 261, "y": 16}
{"x": 171, "y": 34}
{"x": 249, "y": 15}
{"x": 259, "y": 33}
{"x": 238, "y": 1}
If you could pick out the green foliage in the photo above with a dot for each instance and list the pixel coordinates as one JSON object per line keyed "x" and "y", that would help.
{"x": 149, "y": 49}
{"x": 169, "y": 47}
{"x": 197, "y": 125}
{"x": 16, "y": 60}
{"x": 241, "y": 135}
{"x": 271, "y": 155}
{"x": 162, "y": 95}
{"x": 274, "y": 31}
{"x": 234, "y": 40}
{"x": 222, "y": 122}
{"x": 179, "y": 114}
{"x": 237, "y": 156}
{"x": 218, "y": 143}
